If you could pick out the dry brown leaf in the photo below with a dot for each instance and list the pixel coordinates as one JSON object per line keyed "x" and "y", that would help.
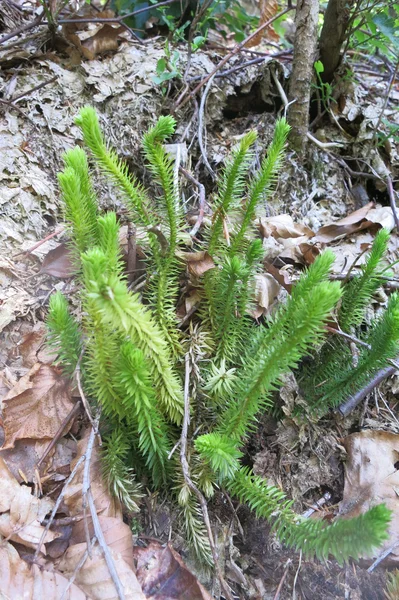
{"x": 105, "y": 40}
{"x": 266, "y": 292}
{"x": 283, "y": 226}
{"x": 372, "y": 478}
{"x": 198, "y": 263}
{"x": 365, "y": 217}
{"x": 94, "y": 577}
{"x": 58, "y": 262}
{"x": 31, "y": 343}
{"x": 37, "y": 405}
{"x": 18, "y": 581}
{"x": 117, "y": 534}
{"x": 106, "y": 504}
{"x": 22, "y": 513}
{"x": 164, "y": 576}
{"x": 268, "y": 9}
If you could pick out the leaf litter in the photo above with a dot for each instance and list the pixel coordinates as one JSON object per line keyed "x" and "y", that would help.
{"x": 298, "y": 224}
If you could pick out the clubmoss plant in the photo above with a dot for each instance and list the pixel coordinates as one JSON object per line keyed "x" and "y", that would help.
{"x": 131, "y": 347}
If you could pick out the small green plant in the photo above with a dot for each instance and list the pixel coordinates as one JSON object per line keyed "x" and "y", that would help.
{"x": 132, "y": 350}
{"x": 334, "y": 375}
{"x": 323, "y": 88}
{"x": 392, "y": 588}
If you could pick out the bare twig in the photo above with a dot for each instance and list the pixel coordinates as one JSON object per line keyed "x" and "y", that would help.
{"x": 116, "y": 19}
{"x": 190, "y": 483}
{"x": 80, "y": 564}
{"x": 83, "y": 397}
{"x": 61, "y": 429}
{"x": 182, "y": 102}
{"x": 201, "y": 114}
{"x": 354, "y": 400}
{"x": 86, "y": 480}
{"x": 34, "y": 89}
{"x": 22, "y": 29}
{"x": 201, "y": 192}
{"x": 280, "y": 585}
{"x": 105, "y": 550}
{"x": 382, "y": 556}
{"x": 40, "y": 243}
{"x": 57, "y": 505}
{"x": 392, "y": 201}
{"x": 351, "y": 338}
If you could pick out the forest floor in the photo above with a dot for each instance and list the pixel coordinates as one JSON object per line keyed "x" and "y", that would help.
{"x": 338, "y": 200}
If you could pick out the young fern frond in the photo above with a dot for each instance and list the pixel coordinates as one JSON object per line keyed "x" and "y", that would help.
{"x": 231, "y": 187}
{"x": 263, "y": 183}
{"x": 274, "y": 356}
{"x": 342, "y": 382}
{"x": 112, "y": 166}
{"x": 344, "y": 539}
{"x": 64, "y": 336}
{"x": 117, "y": 306}
{"x": 359, "y": 291}
{"x": 133, "y": 381}
{"x": 119, "y": 478}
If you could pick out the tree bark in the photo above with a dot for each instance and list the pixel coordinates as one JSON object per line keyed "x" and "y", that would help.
{"x": 333, "y": 35}
{"x": 306, "y": 21}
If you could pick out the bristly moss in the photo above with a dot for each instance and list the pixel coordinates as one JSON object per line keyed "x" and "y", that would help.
{"x": 131, "y": 347}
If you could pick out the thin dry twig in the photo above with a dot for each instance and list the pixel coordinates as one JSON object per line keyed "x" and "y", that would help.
{"x": 83, "y": 397}
{"x": 201, "y": 192}
{"x": 351, "y": 338}
{"x": 346, "y": 407}
{"x": 34, "y": 89}
{"x": 280, "y": 585}
{"x": 183, "y": 101}
{"x": 86, "y": 480}
{"x": 392, "y": 201}
{"x": 80, "y": 564}
{"x": 191, "y": 484}
{"x": 75, "y": 409}
{"x": 40, "y": 243}
{"x": 201, "y": 114}
{"x": 382, "y": 556}
{"x": 22, "y": 29}
{"x": 57, "y": 505}
{"x": 116, "y": 19}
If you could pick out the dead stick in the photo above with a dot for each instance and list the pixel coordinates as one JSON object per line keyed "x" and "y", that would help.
{"x": 57, "y": 505}
{"x": 117, "y": 19}
{"x": 78, "y": 567}
{"x": 190, "y": 483}
{"x": 34, "y": 89}
{"x": 40, "y": 243}
{"x": 83, "y": 397}
{"x": 22, "y": 29}
{"x": 65, "y": 422}
{"x": 351, "y": 338}
{"x": 392, "y": 201}
{"x": 201, "y": 192}
{"x": 354, "y": 400}
{"x": 235, "y": 51}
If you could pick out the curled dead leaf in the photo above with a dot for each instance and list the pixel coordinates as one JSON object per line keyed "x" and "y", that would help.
{"x": 58, "y": 262}
{"x": 372, "y": 477}
{"x": 37, "y": 405}
{"x": 198, "y": 263}
{"x": 266, "y": 292}
{"x": 164, "y": 576}
{"x": 363, "y": 218}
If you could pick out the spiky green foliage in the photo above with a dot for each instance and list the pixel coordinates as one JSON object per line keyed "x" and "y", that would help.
{"x": 263, "y": 183}
{"x": 132, "y": 357}
{"x": 343, "y": 539}
{"x": 79, "y": 200}
{"x": 117, "y": 306}
{"x": 109, "y": 162}
{"x": 231, "y": 186}
{"x": 119, "y": 477}
{"x": 383, "y": 339}
{"x": 299, "y": 330}
{"x": 392, "y": 587}
{"x": 134, "y": 382}
{"x": 221, "y": 452}
{"x": 64, "y": 336}
{"x": 359, "y": 291}
{"x": 334, "y": 376}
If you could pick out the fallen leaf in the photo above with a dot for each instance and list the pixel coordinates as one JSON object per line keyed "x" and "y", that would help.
{"x": 266, "y": 292}
{"x": 37, "y": 405}
{"x": 164, "y": 576}
{"x": 21, "y": 513}
{"x": 94, "y": 578}
{"x": 268, "y": 9}
{"x": 59, "y": 262}
{"x": 117, "y": 535}
{"x": 19, "y": 580}
{"x": 31, "y": 343}
{"x": 13, "y": 306}
{"x": 104, "y": 40}
{"x": 198, "y": 263}
{"x": 283, "y": 226}
{"x": 372, "y": 477}
{"x": 363, "y": 218}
